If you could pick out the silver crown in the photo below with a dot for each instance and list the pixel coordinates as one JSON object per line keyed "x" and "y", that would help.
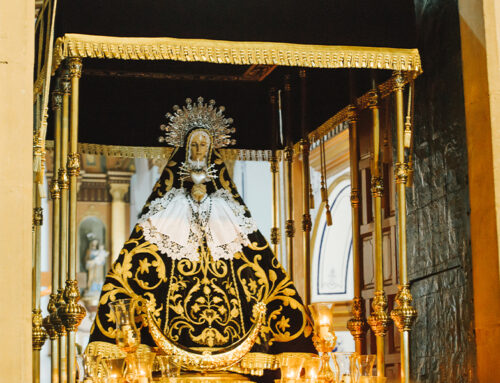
{"x": 198, "y": 115}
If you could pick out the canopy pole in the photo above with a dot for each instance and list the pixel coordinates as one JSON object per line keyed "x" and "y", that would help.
{"x": 306, "y": 184}
{"x": 288, "y": 157}
{"x": 275, "y": 230}
{"x": 38, "y": 332}
{"x": 50, "y": 322}
{"x": 73, "y": 313}
{"x": 404, "y": 314}
{"x": 357, "y": 324}
{"x": 63, "y": 226}
{"x": 378, "y": 320}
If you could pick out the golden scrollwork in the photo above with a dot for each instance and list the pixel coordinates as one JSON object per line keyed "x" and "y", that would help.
{"x": 404, "y": 314}
{"x": 73, "y": 165}
{"x": 198, "y": 300}
{"x": 207, "y": 361}
{"x": 206, "y": 301}
{"x": 377, "y": 188}
{"x": 71, "y": 313}
{"x": 39, "y": 335}
{"x": 357, "y": 324}
{"x": 379, "y": 320}
{"x": 234, "y": 52}
{"x": 401, "y": 171}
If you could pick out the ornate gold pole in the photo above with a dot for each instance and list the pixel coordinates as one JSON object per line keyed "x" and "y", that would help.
{"x": 50, "y": 323}
{"x": 275, "y": 230}
{"x": 63, "y": 224}
{"x": 289, "y": 223}
{"x": 306, "y": 200}
{"x": 306, "y": 220}
{"x": 72, "y": 313}
{"x": 357, "y": 324}
{"x": 288, "y": 155}
{"x": 378, "y": 320}
{"x": 38, "y": 332}
{"x": 404, "y": 314}
{"x": 275, "y": 233}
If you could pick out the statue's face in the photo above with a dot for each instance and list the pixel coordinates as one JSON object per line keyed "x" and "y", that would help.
{"x": 198, "y": 146}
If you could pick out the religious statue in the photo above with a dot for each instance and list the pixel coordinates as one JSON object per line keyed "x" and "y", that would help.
{"x": 196, "y": 255}
{"x": 95, "y": 261}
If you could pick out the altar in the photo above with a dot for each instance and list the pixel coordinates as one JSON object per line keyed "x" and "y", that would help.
{"x": 196, "y": 279}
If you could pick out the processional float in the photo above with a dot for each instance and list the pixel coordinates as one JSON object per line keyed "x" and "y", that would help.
{"x": 291, "y": 74}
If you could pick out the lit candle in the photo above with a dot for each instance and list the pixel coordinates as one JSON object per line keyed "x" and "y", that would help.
{"x": 324, "y": 326}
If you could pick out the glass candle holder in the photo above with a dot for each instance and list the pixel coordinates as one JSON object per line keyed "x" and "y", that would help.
{"x": 115, "y": 370}
{"x": 140, "y": 367}
{"x": 324, "y": 338}
{"x": 94, "y": 369}
{"x": 346, "y": 368}
{"x": 169, "y": 366}
{"x": 365, "y": 365}
{"x": 291, "y": 367}
{"x": 312, "y": 367}
{"x": 127, "y": 336}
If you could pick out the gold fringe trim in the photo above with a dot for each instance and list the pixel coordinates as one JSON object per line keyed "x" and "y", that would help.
{"x": 164, "y": 152}
{"x": 234, "y": 52}
{"x": 332, "y": 125}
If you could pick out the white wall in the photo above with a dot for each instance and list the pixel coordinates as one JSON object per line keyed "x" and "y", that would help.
{"x": 141, "y": 185}
{"x": 253, "y": 180}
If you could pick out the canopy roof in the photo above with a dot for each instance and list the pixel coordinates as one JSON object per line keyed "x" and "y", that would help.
{"x": 141, "y": 58}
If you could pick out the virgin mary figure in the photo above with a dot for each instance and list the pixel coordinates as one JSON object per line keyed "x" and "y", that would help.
{"x": 196, "y": 255}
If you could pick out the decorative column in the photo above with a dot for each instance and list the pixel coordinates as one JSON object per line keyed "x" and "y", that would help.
{"x": 275, "y": 230}
{"x": 50, "y": 323}
{"x": 403, "y": 314}
{"x": 38, "y": 332}
{"x": 306, "y": 183}
{"x": 289, "y": 223}
{"x": 357, "y": 324}
{"x": 72, "y": 313}
{"x": 63, "y": 181}
{"x": 118, "y": 188}
{"x": 288, "y": 157}
{"x": 378, "y": 320}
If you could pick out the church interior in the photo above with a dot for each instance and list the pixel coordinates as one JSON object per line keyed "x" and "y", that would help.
{"x": 281, "y": 191}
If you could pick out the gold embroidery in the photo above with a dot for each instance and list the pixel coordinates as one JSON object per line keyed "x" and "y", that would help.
{"x": 204, "y": 297}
